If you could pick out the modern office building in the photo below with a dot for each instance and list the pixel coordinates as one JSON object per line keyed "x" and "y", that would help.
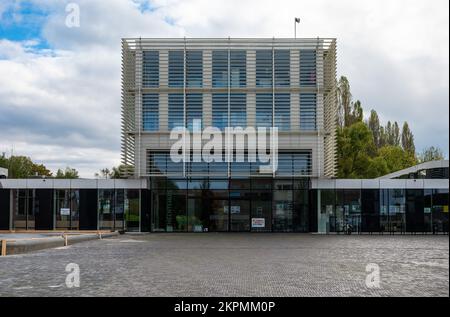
{"x": 289, "y": 84}
{"x": 284, "y": 83}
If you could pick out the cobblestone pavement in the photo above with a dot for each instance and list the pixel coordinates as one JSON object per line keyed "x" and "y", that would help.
{"x": 234, "y": 265}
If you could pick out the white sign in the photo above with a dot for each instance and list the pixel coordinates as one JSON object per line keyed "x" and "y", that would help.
{"x": 258, "y": 222}
{"x": 235, "y": 209}
{"x": 65, "y": 211}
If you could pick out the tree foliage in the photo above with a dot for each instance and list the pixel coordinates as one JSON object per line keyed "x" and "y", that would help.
{"x": 408, "y": 139}
{"x": 431, "y": 154}
{"x": 68, "y": 173}
{"x": 23, "y": 167}
{"x": 115, "y": 172}
{"x": 369, "y": 149}
{"x": 396, "y": 158}
{"x": 375, "y": 128}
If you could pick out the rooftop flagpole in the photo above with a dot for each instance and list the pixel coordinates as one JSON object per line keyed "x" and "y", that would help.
{"x": 296, "y": 20}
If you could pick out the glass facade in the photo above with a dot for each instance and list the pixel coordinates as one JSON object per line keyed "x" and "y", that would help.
{"x": 383, "y": 210}
{"x": 229, "y": 71}
{"x": 282, "y": 68}
{"x": 194, "y": 109}
{"x": 282, "y": 112}
{"x": 308, "y": 111}
{"x": 264, "y": 70}
{"x": 220, "y": 111}
{"x": 220, "y": 68}
{"x": 150, "y": 69}
{"x": 235, "y": 205}
{"x": 24, "y": 208}
{"x": 176, "y": 110}
{"x": 150, "y": 112}
{"x": 240, "y": 204}
{"x": 237, "y": 109}
{"x": 290, "y": 164}
{"x": 264, "y": 110}
{"x": 307, "y": 68}
{"x": 238, "y": 68}
{"x": 67, "y": 204}
{"x": 176, "y": 69}
{"x": 194, "y": 69}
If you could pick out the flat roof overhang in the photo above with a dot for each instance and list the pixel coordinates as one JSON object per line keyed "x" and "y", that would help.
{"x": 379, "y": 183}
{"x": 79, "y": 183}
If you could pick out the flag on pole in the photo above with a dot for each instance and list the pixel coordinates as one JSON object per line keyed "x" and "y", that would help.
{"x": 297, "y": 20}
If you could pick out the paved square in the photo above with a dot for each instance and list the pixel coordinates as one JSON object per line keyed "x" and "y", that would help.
{"x": 234, "y": 265}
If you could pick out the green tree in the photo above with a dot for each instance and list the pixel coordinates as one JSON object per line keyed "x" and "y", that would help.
{"x": 41, "y": 170}
{"x": 104, "y": 173}
{"x": 355, "y": 143}
{"x": 408, "y": 139}
{"x": 396, "y": 134}
{"x": 377, "y": 167}
{"x": 115, "y": 172}
{"x": 4, "y": 161}
{"x": 396, "y": 158}
{"x": 431, "y": 154}
{"x": 356, "y": 114}
{"x": 23, "y": 167}
{"x": 392, "y": 134}
{"x": 121, "y": 170}
{"x": 68, "y": 173}
{"x": 20, "y": 167}
{"x": 383, "y": 137}
{"x": 344, "y": 97}
{"x": 374, "y": 126}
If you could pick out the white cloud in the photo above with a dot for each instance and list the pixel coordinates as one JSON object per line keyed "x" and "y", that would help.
{"x": 63, "y": 105}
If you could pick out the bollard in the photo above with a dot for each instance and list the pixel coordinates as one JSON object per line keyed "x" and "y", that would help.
{"x": 65, "y": 240}
{"x": 3, "y": 253}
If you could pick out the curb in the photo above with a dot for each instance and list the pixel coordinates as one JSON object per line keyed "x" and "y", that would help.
{"x": 29, "y": 245}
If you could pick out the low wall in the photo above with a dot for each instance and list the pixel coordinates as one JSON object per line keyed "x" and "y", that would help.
{"x": 18, "y": 246}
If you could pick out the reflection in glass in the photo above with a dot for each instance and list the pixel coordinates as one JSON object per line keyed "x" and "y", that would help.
{"x": 131, "y": 207}
{"x": 282, "y": 211}
{"x": 23, "y": 208}
{"x": 106, "y": 209}
{"x": 240, "y": 215}
{"x": 261, "y": 211}
{"x": 67, "y": 209}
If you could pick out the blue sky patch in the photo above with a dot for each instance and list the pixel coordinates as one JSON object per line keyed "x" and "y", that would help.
{"x": 24, "y": 21}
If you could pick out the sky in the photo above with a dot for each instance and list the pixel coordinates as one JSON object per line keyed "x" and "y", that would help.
{"x": 60, "y": 86}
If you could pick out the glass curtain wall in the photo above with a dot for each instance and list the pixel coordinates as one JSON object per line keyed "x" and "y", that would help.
{"x": 23, "y": 209}
{"x": 283, "y": 220}
{"x": 239, "y": 209}
{"x": 415, "y": 210}
{"x": 397, "y": 209}
{"x": 439, "y": 210}
{"x": 326, "y": 219}
{"x": 67, "y": 209}
{"x": 131, "y": 208}
{"x": 427, "y": 210}
{"x": 106, "y": 209}
{"x": 222, "y": 205}
{"x": 261, "y": 205}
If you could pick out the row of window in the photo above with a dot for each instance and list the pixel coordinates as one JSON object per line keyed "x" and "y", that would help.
{"x": 271, "y": 110}
{"x": 229, "y": 68}
{"x": 383, "y": 210}
{"x": 289, "y": 164}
